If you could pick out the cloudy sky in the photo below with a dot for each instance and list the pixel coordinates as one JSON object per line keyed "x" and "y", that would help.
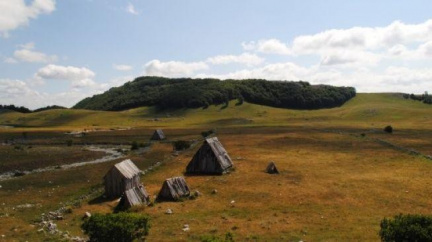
{"x": 60, "y": 51}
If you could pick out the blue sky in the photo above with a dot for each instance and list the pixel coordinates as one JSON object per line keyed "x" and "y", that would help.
{"x": 58, "y": 52}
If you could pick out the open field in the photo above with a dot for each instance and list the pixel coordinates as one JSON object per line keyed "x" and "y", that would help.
{"x": 335, "y": 183}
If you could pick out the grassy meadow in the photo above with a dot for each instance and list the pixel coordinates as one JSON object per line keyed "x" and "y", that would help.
{"x": 337, "y": 180}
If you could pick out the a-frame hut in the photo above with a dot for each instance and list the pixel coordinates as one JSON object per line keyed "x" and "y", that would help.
{"x": 211, "y": 158}
{"x": 173, "y": 189}
{"x": 271, "y": 168}
{"x": 120, "y": 178}
{"x": 134, "y": 196}
{"x": 158, "y": 135}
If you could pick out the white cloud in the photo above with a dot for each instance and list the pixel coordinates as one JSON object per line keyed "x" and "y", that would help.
{"x": 15, "y": 13}
{"x": 245, "y": 58}
{"x": 269, "y": 46}
{"x": 173, "y": 68}
{"x": 131, "y": 9}
{"x": 122, "y": 67}
{"x": 349, "y": 57}
{"x": 26, "y": 55}
{"x": 79, "y": 77}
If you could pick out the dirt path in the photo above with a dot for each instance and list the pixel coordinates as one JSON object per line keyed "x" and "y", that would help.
{"x": 112, "y": 154}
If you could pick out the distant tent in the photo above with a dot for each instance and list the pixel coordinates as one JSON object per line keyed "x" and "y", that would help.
{"x": 158, "y": 135}
{"x": 134, "y": 196}
{"x": 271, "y": 168}
{"x": 173, "y": 189}
{"x": 211, "y": 158}
{"x": 120, "y": 178}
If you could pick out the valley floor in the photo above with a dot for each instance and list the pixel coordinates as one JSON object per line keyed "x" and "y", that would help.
{"x": 337, "y": 180}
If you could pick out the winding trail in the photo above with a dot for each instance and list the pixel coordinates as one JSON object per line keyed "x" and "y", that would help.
{"x": 112, "y": 154}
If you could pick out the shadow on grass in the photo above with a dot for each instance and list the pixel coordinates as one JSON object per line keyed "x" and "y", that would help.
{"x": 101, "y": 199}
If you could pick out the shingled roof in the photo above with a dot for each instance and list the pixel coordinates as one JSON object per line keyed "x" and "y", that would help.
{"x": 135, "y": 196}
{"x": 158, "y": 135}
{"x": 211, "y": 158}
{"x": 173, "y": 189}
{"x": 127, "y": 168}
{"x": 121, "y": 177}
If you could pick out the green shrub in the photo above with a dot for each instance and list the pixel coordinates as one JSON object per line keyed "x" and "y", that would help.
{"x": 205, "y": 134}
{"x": 411, "y": 227}
{"x": 69, "y": 142}
{"x": 134, "y": 145}
{"x": 388, "y": 129}
{"x": 181, "y": 144}
{"x": 116, "y": 227}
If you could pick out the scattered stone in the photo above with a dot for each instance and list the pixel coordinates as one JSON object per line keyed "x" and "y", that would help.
{"x": 87, "y": 215}
{"x": 27, "y": 205}
{"x": 40, "y": 230}
{"x": 169, "y": 211}
{"x": 186, "y": 227}
{"x": 59, "y": 217}
{"x": 232, "y": 202}
{"x": 0, "y": 186}
{"x": 52, "y": 227}
{"x": 214, "y": 191}
{"x": 197, "y": 193}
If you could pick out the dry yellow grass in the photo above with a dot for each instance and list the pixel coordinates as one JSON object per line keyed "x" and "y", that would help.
{"x": 332, "y": 187}
{"x": 335, "y": 185}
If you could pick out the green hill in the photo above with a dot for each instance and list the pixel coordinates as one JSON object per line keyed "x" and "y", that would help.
{"x": 193, "y": 93}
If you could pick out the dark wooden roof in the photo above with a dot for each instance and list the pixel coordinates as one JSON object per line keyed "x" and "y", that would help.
{"x": 173, "y": 189}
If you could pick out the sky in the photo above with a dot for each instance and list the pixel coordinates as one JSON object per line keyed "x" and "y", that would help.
{"x": 57, "y": 52}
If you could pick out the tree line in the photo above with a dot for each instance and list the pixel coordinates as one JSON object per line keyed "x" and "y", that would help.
{"x": 22, "y": 109}
{"x": 425, "y": 98}
{"x": 194, "y": 93}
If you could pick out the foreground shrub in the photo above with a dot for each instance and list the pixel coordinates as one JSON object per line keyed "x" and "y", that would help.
{"x": 116, "y": 227}
{"x": 409, "y": 227}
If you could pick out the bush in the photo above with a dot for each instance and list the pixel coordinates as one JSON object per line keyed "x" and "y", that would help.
{"x": 409, "y": 227}
{"x": 116, "y": 227}
{"x": 388, "y": 129}
{"x": 205, "y": 134}
{"x": 134, "y": 145}
{"x": 181, "y": 145}
{"x": 69, "y": 142}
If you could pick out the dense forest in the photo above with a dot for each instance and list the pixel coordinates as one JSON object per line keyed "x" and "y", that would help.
{"x": 194, "y": 93}
{"x": 26, "y": 110}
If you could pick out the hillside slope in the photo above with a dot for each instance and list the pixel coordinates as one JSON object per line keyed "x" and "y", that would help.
{"x": 363, "y": 111}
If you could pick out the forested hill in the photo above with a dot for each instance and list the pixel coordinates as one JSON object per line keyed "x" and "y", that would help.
{"x": 194, "y": 93}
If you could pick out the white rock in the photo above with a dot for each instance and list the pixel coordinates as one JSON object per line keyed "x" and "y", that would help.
{"x": 169, "y": 211}
{"x": 232, "y": 202}
{"x": 87, "y": 215}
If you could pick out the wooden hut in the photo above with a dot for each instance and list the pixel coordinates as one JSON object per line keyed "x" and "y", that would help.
{"x": 134, "y": 196}
{"x": 173, "y": 189}
{"x": 211, "y": 158}
{"x": 271, "y": 168}
{"x": 120, "y": 178}
{"x": 158, "y": 135}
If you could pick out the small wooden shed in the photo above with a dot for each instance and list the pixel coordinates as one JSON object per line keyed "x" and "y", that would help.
{"x": 134, "y": 196}
{"x": 211, "y": 158}
{"x": 120, "y": 178}
{"x": 158, "y": 135}
{"x": 173, "y": 189}
{"x": 271, "y": 168}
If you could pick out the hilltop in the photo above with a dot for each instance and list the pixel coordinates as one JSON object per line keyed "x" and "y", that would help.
{"x": 193, "y": 93}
